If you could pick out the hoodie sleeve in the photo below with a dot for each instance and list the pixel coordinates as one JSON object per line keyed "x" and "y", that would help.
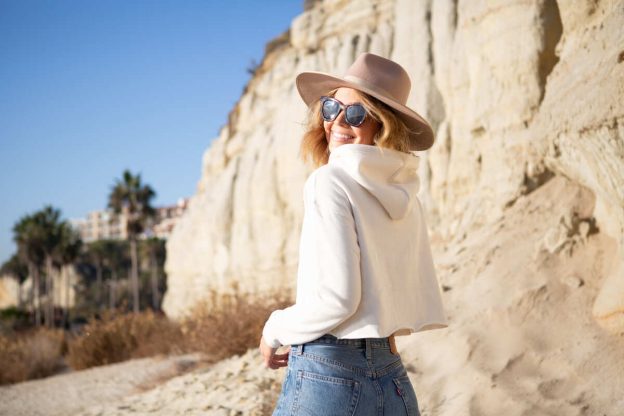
{"x": 329, "y": 267}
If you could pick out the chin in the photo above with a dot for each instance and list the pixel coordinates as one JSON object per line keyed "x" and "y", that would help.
{"x": 333, "y": 146}
{"x": 336, "y": 144}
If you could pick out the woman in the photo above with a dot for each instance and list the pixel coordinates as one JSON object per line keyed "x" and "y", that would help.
{"x": 365, "y": 268}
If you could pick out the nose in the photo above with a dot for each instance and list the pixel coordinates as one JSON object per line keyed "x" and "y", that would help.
{"x": 340, "y": 119}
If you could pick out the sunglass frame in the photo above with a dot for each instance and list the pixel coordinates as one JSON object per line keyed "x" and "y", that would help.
{"x": 342, "y": 107}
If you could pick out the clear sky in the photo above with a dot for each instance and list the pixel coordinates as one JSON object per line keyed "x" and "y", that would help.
{"x": 90, "y": 88}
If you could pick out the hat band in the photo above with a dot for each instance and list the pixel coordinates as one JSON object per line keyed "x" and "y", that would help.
{"x": 372, "y": 87}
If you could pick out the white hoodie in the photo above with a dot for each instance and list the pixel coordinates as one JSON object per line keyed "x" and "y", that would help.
{"x": 365, "y": 265}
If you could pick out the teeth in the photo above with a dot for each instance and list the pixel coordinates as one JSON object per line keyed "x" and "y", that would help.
{"x": 339, "y": 136}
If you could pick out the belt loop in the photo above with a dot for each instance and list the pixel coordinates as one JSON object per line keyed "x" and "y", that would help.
{"x": 393, "y": 347}
{"x": 369, "y": 350}
{"x": 297, "y": 349}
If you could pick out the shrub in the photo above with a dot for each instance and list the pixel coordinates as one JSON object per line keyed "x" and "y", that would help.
{"x": 33, "y": 354}
{"x": 222, "y": 326}
{"x": 229, "y": 324}
{"x": 13, "y": 319}
{"x": 119, "y": 337}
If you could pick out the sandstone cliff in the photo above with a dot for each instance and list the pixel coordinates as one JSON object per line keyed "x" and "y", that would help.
{"x": 517, "y": 93}
{"x": 524, "y": 190}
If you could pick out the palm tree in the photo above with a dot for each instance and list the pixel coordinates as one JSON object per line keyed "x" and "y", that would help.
{"x": 97, "y": 254}
{"x": 154, "y": 249}
{"x": 116, "y": 254}
{"x": 27, "y": 236}
{"x": 49, "y": 226}
{"x": 133, "y": 198}
{"x": 66, "y": 254}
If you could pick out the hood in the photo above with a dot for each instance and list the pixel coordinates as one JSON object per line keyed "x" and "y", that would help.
{"x": 389, "y": 175}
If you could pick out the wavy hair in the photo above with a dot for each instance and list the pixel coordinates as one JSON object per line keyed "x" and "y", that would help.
{"x": 393, "y": 133}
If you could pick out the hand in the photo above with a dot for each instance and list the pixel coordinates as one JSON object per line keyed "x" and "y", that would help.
{"x": 272, "y": 360}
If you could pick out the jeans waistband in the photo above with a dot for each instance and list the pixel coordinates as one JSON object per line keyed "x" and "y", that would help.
{"x": 357, "y": 342}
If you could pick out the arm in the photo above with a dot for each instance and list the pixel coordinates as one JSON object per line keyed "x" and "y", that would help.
{"x": 329, "y": 263}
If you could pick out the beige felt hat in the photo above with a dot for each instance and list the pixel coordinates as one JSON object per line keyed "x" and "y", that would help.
{"x": 376, "y": 76}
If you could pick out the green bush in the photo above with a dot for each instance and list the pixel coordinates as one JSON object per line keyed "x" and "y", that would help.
{"x": 12, "y": 319}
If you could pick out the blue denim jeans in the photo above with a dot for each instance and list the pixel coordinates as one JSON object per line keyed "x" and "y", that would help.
{"x": 330, "y": 376}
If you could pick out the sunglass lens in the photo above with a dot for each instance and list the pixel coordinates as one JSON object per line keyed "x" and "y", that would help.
{"x": 330, "y": 109}
{"x": 355, "y": 114}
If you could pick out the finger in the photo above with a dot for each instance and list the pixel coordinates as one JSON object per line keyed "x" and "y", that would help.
{"x": 281, "y": 360}
{"x": 267, "y": 361}
{"x": 280, "y": 363}
{"x": 280, "y": 356}
{"x": 285, "y": 352}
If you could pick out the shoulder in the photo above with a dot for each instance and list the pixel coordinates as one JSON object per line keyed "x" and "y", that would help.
{"x": 330, "y": 179}
{"x": 328, "y": 183}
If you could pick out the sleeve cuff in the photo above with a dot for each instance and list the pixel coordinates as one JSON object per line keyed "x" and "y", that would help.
{"x": 271, "y": 342}
{"x": 270, "y": 339}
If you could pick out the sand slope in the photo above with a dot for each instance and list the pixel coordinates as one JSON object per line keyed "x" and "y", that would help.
{"x": 522, "y": 339}
{"x": 67, "y": 394}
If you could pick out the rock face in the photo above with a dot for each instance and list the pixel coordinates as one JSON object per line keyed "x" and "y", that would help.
{"x": 517, "y": 93}
{"x": 9, "y": 292}
{"x": 527, "y": 102}
{"x": 12, "y": 294}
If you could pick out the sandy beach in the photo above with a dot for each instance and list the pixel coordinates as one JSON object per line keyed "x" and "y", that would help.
{"x": 72, "y": 392}
{"x": 179, "y": 385}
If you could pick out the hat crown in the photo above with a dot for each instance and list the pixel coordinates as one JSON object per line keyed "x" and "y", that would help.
{"x": 381, "y": 75}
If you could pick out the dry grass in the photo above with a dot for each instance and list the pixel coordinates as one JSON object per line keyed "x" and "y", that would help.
{"x": 226, "y": 325}
{"x": 119, "y": 337}
{"x": 37, "y": 353}
{"x": 222, "y": 326}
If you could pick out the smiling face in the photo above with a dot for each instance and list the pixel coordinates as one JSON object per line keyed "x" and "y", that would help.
{"x": 338, "y": 132}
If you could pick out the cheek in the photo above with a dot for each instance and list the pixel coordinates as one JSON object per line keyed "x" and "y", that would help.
{"x": 367, "y": 135}
{"x": 327, "y": 128}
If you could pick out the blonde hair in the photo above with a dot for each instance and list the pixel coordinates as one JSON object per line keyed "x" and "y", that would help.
{"x": 392, "y": 134}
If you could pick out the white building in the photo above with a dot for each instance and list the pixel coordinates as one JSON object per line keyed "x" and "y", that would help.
{"x": 100, "y": 225}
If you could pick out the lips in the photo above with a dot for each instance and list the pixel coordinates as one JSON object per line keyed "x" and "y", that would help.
{"x": 339, "y": 137}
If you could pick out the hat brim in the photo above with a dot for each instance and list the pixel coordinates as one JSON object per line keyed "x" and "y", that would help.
{"x": 313, "y": 85}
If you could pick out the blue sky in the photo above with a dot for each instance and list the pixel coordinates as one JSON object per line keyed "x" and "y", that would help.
{"x": 89, "y": 88}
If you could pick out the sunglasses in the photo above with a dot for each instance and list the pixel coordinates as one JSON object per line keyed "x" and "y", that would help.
{"x": 355, "y": 114}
